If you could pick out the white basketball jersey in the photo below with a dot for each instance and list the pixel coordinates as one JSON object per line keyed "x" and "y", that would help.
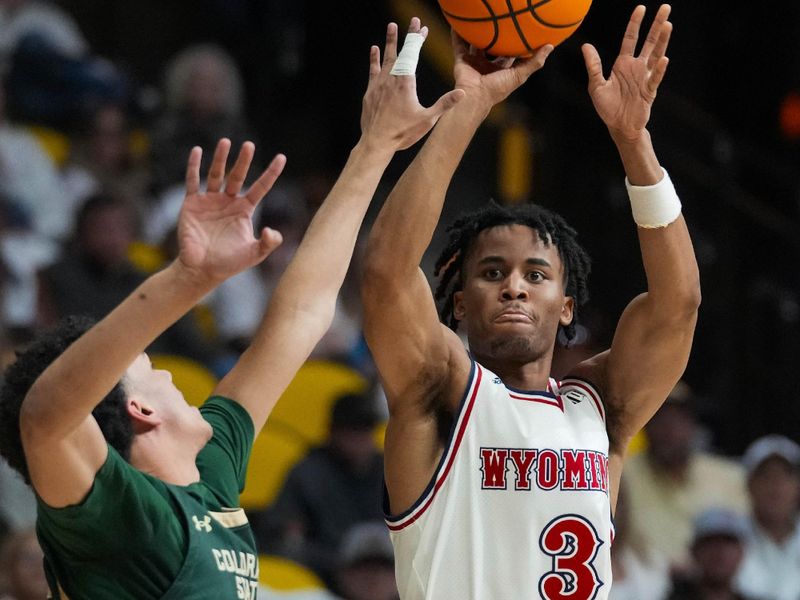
{"x": 518, "y": 508}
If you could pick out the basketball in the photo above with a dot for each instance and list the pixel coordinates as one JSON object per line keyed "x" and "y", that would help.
{"x": 514, "y": 27}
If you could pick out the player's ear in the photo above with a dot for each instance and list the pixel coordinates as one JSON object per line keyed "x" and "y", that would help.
{"x": 567, "y": 311}
{"x": 458, "y": 305}
{"x": 143, "y": 417}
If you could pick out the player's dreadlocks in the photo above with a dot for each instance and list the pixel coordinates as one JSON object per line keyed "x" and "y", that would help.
{"x": 552, "y": 228}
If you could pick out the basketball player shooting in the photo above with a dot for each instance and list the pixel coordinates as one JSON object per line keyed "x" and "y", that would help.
{"x": 501, "y": 481}
{"x": 137, "y": 490}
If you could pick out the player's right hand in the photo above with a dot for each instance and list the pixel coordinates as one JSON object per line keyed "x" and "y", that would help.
{"x": 491, "y": 81}
{"x": 391, "y": 115}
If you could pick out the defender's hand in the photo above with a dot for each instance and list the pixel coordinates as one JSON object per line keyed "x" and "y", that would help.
{"x": 215, "y": 228}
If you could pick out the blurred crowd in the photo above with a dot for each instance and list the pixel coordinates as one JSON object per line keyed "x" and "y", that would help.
{"x": 91, "y": 180}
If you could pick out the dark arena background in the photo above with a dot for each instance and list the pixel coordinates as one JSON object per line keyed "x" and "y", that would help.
{"x": 726, "y": 125}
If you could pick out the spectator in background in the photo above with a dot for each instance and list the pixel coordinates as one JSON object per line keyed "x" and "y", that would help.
{"x": 95, "y": 275}
{"x": 102, "y": 158}
{"x": 204, "y": 100}
{"x": 21, "y": 561}
{"x": 333, "y": 488}
{"x": 21, "y": 18}
{"x": 52, "y": 73}
{"x": 717, "y": 549}
{"x": 673, "y": 481}
{"x": 29, "y": 179}
{"x": 366, "y": 567}
{"x": 771, "y": 567}
{"x": 640, "y": 571}
{"x": 22, "y": 254}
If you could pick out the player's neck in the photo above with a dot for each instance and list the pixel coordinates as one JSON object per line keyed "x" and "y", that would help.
{"x": 165, "y": 459}
{"x": 533, "y": 375}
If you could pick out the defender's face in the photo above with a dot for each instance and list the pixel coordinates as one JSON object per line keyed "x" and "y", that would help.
{"x": 513, "y": 297}
{"x": 155, "y": 390}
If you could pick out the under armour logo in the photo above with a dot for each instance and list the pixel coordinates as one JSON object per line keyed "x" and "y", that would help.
{"x": 496, "y": 381}
{"x": 205, "y": 524}
{"x": 574, "y": 396}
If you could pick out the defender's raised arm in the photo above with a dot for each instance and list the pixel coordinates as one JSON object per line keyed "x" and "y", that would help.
{"x": 302, "y": 307}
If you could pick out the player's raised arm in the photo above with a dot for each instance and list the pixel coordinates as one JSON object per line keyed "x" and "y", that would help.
{"x": 401, "y": 322}
{"x": 654, "y": 336}
{"x": 423, "y": 365}
{"x": 63, "y": 444}
{"x": 302, "y": 307}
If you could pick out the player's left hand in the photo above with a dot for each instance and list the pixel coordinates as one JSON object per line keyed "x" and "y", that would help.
{"x": 215, "y": 228}
{"x": 625, "y": 99}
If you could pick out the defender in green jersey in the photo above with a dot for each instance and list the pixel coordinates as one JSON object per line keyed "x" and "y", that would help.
{"x": 137, "y": 491}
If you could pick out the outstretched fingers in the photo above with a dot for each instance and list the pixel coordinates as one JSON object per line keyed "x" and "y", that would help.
{"x": 656, "y": 29}
{"x": 193, "y": 171}
{"x": 594, "y": 66}
{"x": 407, "y": 59}
{"x": 631, "y": 36}
{"x": 657, "y": 75}
{"x": 264, "y": 183}
{"x": 216, "y": 172}
{"x": 374, "y": 62}
{"x": 390, "y": 49}
{"x": 660, "y": 48}
{"x": 239, "y": 171}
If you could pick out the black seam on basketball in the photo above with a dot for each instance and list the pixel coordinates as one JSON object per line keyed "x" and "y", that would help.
{"x": 532, "y": 9}
{"x": 517, "y": 26}
{"x": 495, "y": 25}
{"x": 493, "y": 17}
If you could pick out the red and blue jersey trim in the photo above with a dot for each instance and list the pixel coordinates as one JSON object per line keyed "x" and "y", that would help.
{"x": 547, "y": 396}
{"x": 587, "y": 388}
{"x": 408, "y": 517}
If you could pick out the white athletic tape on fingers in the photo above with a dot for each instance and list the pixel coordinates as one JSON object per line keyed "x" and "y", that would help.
{"x": 656, "y": 205}
{"x": 406, "y": 63}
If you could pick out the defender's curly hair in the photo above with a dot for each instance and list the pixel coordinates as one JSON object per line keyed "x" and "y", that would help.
{"x": 552, "y": 228}
{"x": 19, "y": 377}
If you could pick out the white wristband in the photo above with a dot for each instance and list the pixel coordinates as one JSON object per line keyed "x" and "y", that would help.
{"x": 656, "y": 205}
{"x": 406, "y": 63}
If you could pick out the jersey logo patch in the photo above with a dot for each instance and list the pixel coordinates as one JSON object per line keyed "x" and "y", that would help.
{"x": 496, "y": 381}
{"x": 574, "y": 396}
{"x": 204, "y": 525}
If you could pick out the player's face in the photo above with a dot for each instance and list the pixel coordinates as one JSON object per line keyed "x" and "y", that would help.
{"x": 513, "y": 297}
{"x": 154, "y": 388}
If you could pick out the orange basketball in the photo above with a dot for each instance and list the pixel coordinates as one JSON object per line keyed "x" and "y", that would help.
{"x": 514, "y": 27}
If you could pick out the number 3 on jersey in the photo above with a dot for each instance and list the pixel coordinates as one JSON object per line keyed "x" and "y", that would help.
{"x": 572, "y": 542}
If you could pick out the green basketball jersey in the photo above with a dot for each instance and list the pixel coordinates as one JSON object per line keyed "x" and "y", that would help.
{"x": 136, "y": 537}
